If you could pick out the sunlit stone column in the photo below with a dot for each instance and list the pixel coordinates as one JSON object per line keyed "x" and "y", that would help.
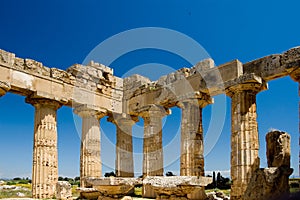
{"x": 192, "y": 149}
{"x": 90, "y": 160}
{"x": 4, "y": 88}
{"x": 152, "y": 147}
{"x": 124, "y": 150}
{"x": 45, "y": 167}
{"x": 296, "y": 77}
{"x": 244, "y": 136}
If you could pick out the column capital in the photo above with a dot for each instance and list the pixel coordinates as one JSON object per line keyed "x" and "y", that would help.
{"x": 295, "y": 75}
{"x": 153, "y": 111}
{"x": 89, "y": 111}
{"x": 254, "y": 87}
{"x": 201, "y": 101}
{"x": 4, "y": 87}
{"x": 122, "y": 118}
{"x": 37, "y": 102}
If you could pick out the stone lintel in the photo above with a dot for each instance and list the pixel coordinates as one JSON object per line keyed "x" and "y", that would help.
{"x": 291, "y": 58}
{"x": 90, "y": 110}
{"x": 176, "y": 186}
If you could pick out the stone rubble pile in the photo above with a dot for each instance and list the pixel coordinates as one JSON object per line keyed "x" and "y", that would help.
{"x": 217, "y": 195}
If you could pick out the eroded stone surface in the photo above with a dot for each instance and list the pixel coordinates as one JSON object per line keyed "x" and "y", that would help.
{"x": 278, "y": 149}
{"x": 269, "y": 183}
{"x": 176, "y": 186}
{"x": 272, "y": 182}
{"x": 63, "y": 190}
{"x": 112, "y": 187}
{"x": 45, "y": 161}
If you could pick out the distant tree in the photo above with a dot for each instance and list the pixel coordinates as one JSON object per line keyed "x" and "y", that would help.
{"x": 77, "y": 178}
{"x": 218, "y": 179}
{"x": 222, "y": 183}
{"x": 17, "y": 179}
{"x": 214, "y": 184}
{"x": 60, "y": 178}
{"x": 109, "y": 174}
{"x": 170, "y": 174}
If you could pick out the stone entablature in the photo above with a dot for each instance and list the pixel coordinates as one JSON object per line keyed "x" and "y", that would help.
{"x": 27, "y": 76}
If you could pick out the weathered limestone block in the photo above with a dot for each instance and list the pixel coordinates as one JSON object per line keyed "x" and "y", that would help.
{"x": 272, "y": 182}
{"x": 291, "y": 58}
{"x": 202, "y": 66}
{"x": 45, "y": 169}
{"x": 101, "y": 67}
{"x": 35, "y": 67}
{"x": 278, "y": 149}
{"x": 109, "y": 188}
{"x": 63, "y": 190}
{"x": 124, "y": 149}
{"x": 269, "y": 183}
{"x": 133, "y": 83}
{"x": 267, "y": 67}
{"x": 244, "y": 136}
{"x": 90, "y": 161}
{"x": 176, "y": 186}
{"x": 7, "y": 58}
{"x": 95, "y": 77}
{"x": 62, "y": 76}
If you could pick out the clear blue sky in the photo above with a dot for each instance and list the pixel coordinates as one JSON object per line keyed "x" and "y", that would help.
{"x": 61, "y": 33}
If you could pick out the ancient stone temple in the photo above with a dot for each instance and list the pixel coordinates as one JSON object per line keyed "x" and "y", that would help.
{"x": 94, "y": 92}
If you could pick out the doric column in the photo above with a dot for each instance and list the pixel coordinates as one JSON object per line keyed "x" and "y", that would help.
{"x": 153, "y": 150}
{"x": 124, "y": 150}
{"x": 4, "y": 87}
{"x": 192, "y": 149}
{"x": 152, "y": 147}
{"x": 244, "y": 135}
{"x": 295, "y": 75}
{"x": 90, "y": 160}
{"x": 45, "y": 168}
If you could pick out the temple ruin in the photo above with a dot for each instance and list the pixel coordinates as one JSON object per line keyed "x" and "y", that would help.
{"x": 94, "y": 92}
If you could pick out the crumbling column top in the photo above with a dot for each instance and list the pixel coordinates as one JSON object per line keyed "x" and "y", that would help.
{"x": 90, "y": 111}
{"x": 153, "y": 111}
{"x": 198, "y": 98}
{"x": 38, "y": 102}
{"x": 247, "y": 82}
{"x": 120, "y": 119}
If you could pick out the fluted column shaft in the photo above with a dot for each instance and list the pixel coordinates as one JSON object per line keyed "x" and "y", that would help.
{"x": 192, "y": 148}
{"x": 45, "y": 161}
{"x": 295, "y": 75}
{"x": 124, "y": 149}
{"x": 90, "y": 159}
{"x": 191, "y": 159}
{"x": 244, "y": 137}
{"x": 152, "y": 147}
